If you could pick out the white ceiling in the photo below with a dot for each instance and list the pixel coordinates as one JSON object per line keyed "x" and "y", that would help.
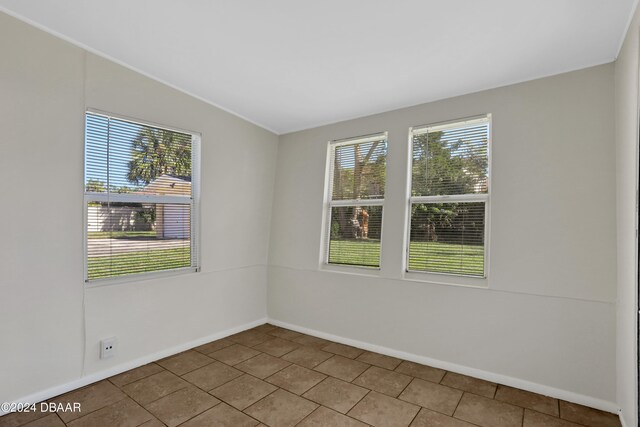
{"x": 294, "y": 64}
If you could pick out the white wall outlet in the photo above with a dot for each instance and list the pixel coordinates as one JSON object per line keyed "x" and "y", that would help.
{"x": 108, "y": 347}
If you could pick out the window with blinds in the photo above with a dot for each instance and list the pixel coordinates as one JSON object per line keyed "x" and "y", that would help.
{"x": 141, "y": 191}
{"x": 356, "y": 194}
{"x": 449, "y": 197}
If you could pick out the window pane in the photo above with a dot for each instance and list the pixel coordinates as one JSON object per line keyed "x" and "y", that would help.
{"x": 451, "y": 160}
{"x": 447, "y": 238}
{"x": 128, "y": 238}
{"x": 359, "y": 170}
{"x": 125, "y": 157}
{"x": 355, "y": 235}
{"x": 96, "y": 149}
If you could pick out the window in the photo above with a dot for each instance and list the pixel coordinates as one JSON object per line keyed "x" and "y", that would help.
{"x": 141, "y": 194}
{"x": 449, "y": 197}
{"x": 357, "y": 172}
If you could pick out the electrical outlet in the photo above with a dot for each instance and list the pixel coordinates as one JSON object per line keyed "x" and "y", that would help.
{"x": 108, "y": 347}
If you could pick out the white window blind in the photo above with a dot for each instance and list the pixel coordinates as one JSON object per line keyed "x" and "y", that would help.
{"x": 449, "y": 197}
{"x": 357, "y": 179}
{"x": 141, "y": 193}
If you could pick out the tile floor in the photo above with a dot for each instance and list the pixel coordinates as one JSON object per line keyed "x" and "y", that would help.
{"x": 277, "y": 377}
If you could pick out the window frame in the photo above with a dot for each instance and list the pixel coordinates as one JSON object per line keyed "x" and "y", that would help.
{"x": 330, "y": 203}
{"x": 194, "y": 203}
{"x": 472, "y": 197}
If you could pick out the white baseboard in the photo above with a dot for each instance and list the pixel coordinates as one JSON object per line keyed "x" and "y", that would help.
{"x": 460, "y": 369}
{"x": 622, "y": 421}
{"x": 115, "y": 370}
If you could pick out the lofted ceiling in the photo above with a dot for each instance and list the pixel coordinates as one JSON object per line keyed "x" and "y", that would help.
{"x": 288, "y": 65}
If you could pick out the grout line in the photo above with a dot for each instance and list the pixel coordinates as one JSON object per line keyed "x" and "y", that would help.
{"x": 190, "y": 418}
{"x": 125, "y": 395}
{"x": 457, "y": 404}
{"x": 155, "y": 400}
{"x": 407, "y": 386}
{"x": 360, "y": 400}
{"x": 416, "y": 415}
{"x": 141, "y": 378}
{"x": 148, "y": 412}
{"x": 310, "y": 413}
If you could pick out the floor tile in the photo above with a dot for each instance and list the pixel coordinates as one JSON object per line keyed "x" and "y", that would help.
{"x": 211, "y": 376}
{"x": 536, "y": 419}
{"x": 470, "y": 384}
{"x": 432, "y": 396}
{"x": 336, "y": 394}
{"x": 308, "y": 357}
{"x": 381, "y": 410}
{"x": 182, "y": 405}
{"x": 429, "y": 418}
{"x": 221, "y": 415}
{"x": 16, "y": 419}
{"x": 587, "y": 416}
{"x": 249, "y": 338}
{"x": 322, "y": 417}
{"x": 281, "y": 409}
{"x": 243, "y": 391}
{"x": 276, "y": 347}
{"x": 185, "y": 362}
{"x": 380, "y": 360}
{"x": 487, "y": 412}
{"x": 263, "y": 365}
{"x": 341, "y": 367}
{"x": 91, "y": 398}
{"x": 265, "y": 328}
{"x": 420, "y": 371}
{"x": 383, "y": 381}
{"x": 214, "y": 346}
{"x": 153, "y": 423}
{"x": 343, "y": 350}
{"x": 308, "y": 340}
{"x": 51, "y": 420}
{"x": 126, "y": 412}
{"x": 234, "y": 354}
{"x": 296, "y": 379}
{"x": 285, "y": 334}
{"x": 526, "y": 399}
{"x": 135, "y": 374}
{"x": 154, "y": 387}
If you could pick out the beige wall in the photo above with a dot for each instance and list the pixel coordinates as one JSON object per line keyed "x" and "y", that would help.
{"x": 45, "y": 86}
{"x": 548, "y": 315}
{"x": 626, "y": 111}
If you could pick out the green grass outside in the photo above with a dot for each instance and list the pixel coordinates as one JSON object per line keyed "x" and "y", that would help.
{"x": 355, "y": 252}
{"x": 119, "y": 234}
{"x": 138, "y": 262}
{"x": 423, "y": 256}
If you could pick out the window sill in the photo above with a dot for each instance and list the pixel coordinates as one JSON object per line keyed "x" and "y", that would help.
{"x": 118, "y": 280}
{"x": 446, "y": 279}
{"x": 351, "y": 269}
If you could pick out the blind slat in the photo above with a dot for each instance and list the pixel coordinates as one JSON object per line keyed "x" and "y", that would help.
{"x": 453, "y": 161}
{"x": 450, "y": 160}
{"x": 358, "y": 172}
{"x": 148, "y": 165}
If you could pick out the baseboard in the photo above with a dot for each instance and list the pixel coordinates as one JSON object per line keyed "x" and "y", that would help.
{"x": 115, "y": 370}
{"x": 623, "y": 423}
{"x": 460, "y": 369}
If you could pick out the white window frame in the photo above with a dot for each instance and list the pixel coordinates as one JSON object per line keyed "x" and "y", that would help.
{"x": 193, "y": 201}
{"x": 330, "y": 203}
{"x": 484, "y": 197}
